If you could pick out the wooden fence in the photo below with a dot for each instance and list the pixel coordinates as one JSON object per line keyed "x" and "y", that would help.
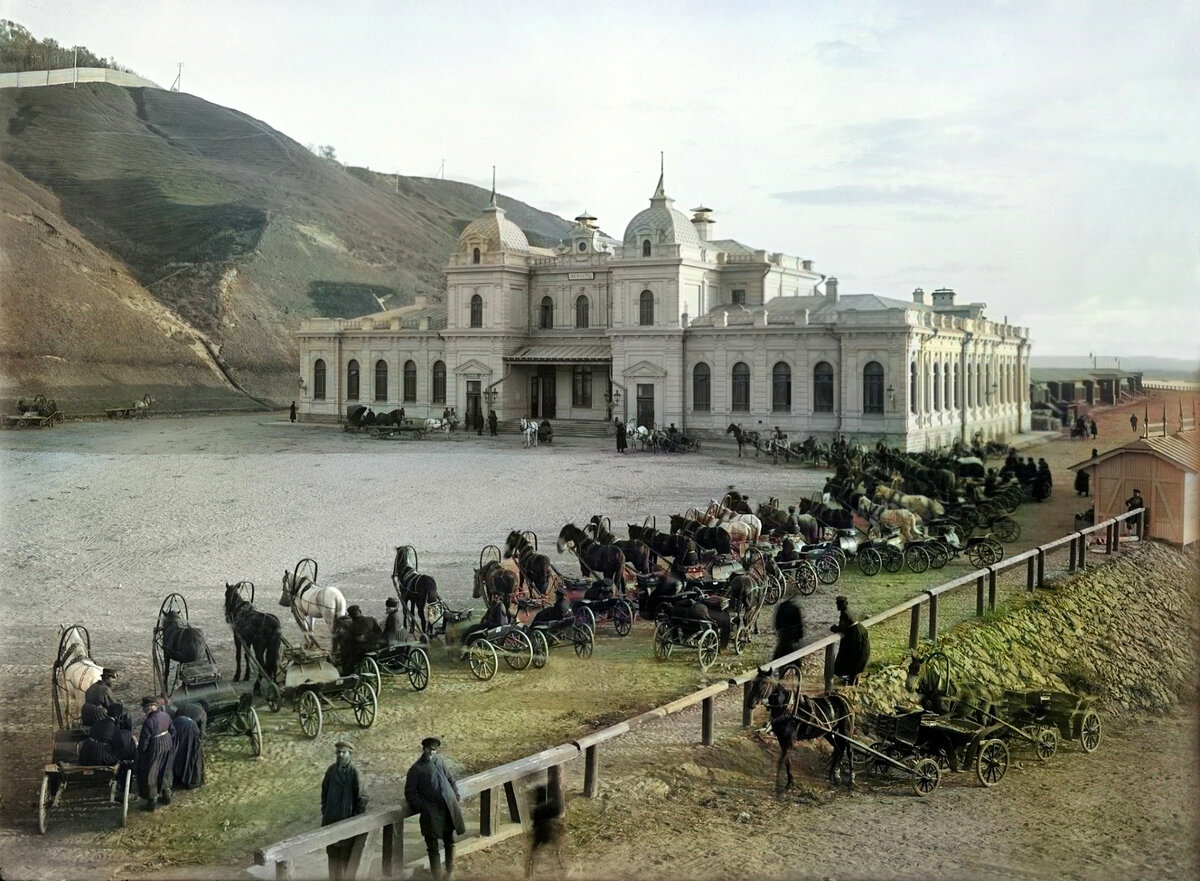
{"x": 504, "y": 786}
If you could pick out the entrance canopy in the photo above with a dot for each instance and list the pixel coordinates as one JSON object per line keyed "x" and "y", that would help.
{"x": 576, "y": 354}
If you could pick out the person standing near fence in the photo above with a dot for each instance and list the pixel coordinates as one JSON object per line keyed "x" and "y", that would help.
{"x": 341, "y": 797}
{"x": 546, "y": 830}
{"x": 431, "y": 791}
{"x": 854, "y": 651}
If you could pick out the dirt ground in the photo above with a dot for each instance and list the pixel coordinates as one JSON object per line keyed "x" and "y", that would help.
{"x": 102, "y": 520}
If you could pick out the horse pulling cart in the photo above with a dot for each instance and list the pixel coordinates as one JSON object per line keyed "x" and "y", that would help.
{"x": 104, "y": 786}
{"x": 39, "y": 413}
{"x": 510, "y": 641}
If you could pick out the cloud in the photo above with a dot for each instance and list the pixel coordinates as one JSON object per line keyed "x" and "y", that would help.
{"x": 900, "y": 195}
{"x": 844, "y": 54}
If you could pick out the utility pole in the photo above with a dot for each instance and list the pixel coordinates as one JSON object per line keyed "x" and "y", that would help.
{"x": 75, "y": 72}
{"x": 178, "y": 79}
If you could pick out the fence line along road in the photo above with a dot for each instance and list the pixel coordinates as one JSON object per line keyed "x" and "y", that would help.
{"x": 505, "y": 785}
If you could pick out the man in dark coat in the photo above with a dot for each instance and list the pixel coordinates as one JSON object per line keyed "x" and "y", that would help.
{"x": 1136, "y": 503}
{"x": 854, "y": 651}
{"x": 621, "y": 441}
{"x": 495, "y": 616}
{"x": 99, "y": 697}
{"x": 493, "y": 422}
{"x": 188, "y": 768}
{"x": 478, "y": 419}
{"x": 431, "y": 791}
{"x": 560, "y": 611}
{"x": 155, "y": 755}
{"x": 341, "y": 797}
{"x": 292, "y": 411}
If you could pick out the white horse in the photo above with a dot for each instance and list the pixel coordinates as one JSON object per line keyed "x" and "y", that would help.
{"x": 726, "y": 515}
{"x": 310, "y": 601}
{"x": 442, "y": 425}
{"x": 143, "y": 406}
{"x": 529, "y": 428}
{"x": 79, "y": 672}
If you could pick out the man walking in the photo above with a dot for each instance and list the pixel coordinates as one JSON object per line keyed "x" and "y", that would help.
{"x": 1133, "y": 422}
{"x": 341, "y": 797}
{"x": 431, "y": 791}
{"x": 292, "y": 411}
{"x": 493, "y": 422}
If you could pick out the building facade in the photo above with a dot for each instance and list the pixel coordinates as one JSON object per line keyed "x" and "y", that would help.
{"x": 669, "y": 325}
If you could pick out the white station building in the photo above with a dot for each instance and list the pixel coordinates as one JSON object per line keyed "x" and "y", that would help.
{"x": 670, "y": 325}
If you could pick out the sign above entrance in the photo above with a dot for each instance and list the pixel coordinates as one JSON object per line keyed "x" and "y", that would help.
{"x": 580, "y": 276}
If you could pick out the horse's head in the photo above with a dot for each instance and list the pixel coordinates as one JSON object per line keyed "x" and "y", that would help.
{"x": 569, "y": 534}
{"x": 763, "y": 686}
{"x": 172, "y": 620}
{"x": 285, "y": 598}
{"x": 231, "y": 600}
{"x": 732, "y": 429}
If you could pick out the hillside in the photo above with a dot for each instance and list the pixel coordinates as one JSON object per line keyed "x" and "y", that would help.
{"x": 234, "y": 229}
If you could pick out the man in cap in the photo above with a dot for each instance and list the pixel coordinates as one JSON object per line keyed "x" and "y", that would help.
{"x": 431, "y": 791}
{"x": 341, "y": 797}
{"x": 391, "y": 623}
{"x": 155, "y": 755}
{"x": 99, "y": 702}
{"x": 560, "y": 611}
{"x": 854, "y": 651}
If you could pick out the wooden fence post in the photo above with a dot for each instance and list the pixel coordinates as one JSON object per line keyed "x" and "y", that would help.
{"x": 1116, "y": 541}
{"x": 706, "y": 721}
{"x": 393, "y": 849}
{"x": 914, "y": 628}
{"x": 489, "y": 815}
{"x": 933, "y": 617}
{"x": 283, "y": 870}
{"x": 829, "y": 659}
{"x": 1108, "y": 538}
{"x": 991, "y": 588}
{"x": 1029, "y": 564}
{"x": 1041, "y": 568}
{"x": 1071, "y": 565}
{"x": 591, "y": 768}
{"x": 979, "y": 597}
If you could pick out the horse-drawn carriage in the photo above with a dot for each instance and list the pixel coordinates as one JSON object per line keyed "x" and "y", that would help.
{"x": 509, "y": 641}
{"x": 920, "y": 737}
{"x": 40, "y": 413}
{"x": 103, "y": 786}
{"x": 137, "y": 408}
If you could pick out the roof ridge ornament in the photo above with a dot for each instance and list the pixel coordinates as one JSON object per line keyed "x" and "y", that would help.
{"x": 659, "y": 192}
{"x": 492, "y": 202}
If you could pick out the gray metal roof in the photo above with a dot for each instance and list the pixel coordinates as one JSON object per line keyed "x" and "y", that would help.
{"x": 571, "y": 354}
{"x": 1181, "y": 449}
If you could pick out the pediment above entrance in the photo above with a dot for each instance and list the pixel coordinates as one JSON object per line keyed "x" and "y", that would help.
{"x": 472, "y": 366}
{"x": 645, "y": 369}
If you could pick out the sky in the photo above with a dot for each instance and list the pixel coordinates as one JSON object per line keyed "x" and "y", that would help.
{"x": 1040, "y": 157}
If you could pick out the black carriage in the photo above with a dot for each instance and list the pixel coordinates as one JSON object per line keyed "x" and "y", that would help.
{"x": 947, "y": 541}
{"x": 564, "y": 632}
{"x": 508, "y": 641}
{"x": 918, "y": 735}
{"x": 439, "y": 616}
{"x": 173, "y": 605}
{"x": 1071, "y": 716}
{"x": 100, "y": 786}
{"x": 402, "y": 659}
{"x": 692, "y": 634}
{"x": 230, "y": 712}
{"x": 593, "y": 601}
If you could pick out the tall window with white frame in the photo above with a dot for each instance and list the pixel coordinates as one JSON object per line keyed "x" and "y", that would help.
{"x": 646, "y": 309}
{"x": 740, "y": 388}
{"x": 381, "y": 380}
{"x": 546, "y": 314}
{"x": 581, "y": 386}
{"x": 823, "y": 387}
{"x": 645, "y": 247}
{"x": 738, "y": 297}
{"x": 439, "y": 382}
{"x": 352, "y": 380}
{"x": 912, "y": 387}
{"x": 476, "y": 311}
{"x": 947, "y": 394}
{"x": 701, "y": 388}
{"x": 319, "y": 380}
{"x": 781, "y": 388}
{"x": 937, "y": 386}
{"x": 581, "y": 311}
{"x": 410, "y": 381}
{"x": 873, "y": 388}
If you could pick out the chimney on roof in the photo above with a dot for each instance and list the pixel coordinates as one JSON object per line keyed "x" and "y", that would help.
{"x": 702, "y": 221}
{"x": 831, "y": 289}
{"x": 919, "y": 297}
{"x": 806, "y": 265}
{"x": 943, "y": 298}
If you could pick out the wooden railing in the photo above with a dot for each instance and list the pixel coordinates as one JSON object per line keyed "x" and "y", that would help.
{"x": 507, "y": 782}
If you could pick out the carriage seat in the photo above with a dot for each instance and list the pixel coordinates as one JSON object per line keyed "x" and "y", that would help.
{"x": 654, "y": 579}
{"x": 554, "y": 626}
{"x": 66, "y": 745}
{"x": 690, "y": 625}
{"x": 199, "y": 673}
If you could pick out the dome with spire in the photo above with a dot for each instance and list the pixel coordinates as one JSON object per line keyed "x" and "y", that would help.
{"x": 491, "y": 231}
{"x": 661, "y": 223}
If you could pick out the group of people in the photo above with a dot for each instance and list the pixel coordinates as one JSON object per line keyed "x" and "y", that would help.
{"x": 167, "y": 754}
{"x": 1036, "y": 476}
{"x": 432, "y": 792}
{"x": 1084, "y": 425}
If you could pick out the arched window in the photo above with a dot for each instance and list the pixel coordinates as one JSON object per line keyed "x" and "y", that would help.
{"x": 958, "y": 402}
{"x": 823, "y": 388}
{"x": 645, "y": 247}
{"x": 546, "y": 314}
{"x": 475, "y": 255}
{"x": 476, "y": 311}
{"x": 970, "y": 383}
{"x": 947, "y": 391}
{"x": 319, "y": 380}
{"x": 646, "y": 309}
{"x": 781, "y": 388}
{"x": 381, "y": 380}
{"x": 439, "y": 382}
{"x": 740, "y": 391}
{"x": 352, "y": 381}
{"x": 410, "y": 381}
{"x": 937, "y": 386}
{"x": 873, "y": 388}
{"x": 912, "y": 387}
{"x": 701, "y": 388}
{"x": 581, "y": 311}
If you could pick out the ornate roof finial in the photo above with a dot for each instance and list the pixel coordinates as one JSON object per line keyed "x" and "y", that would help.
{"x": 659, "y": 193}
{"x": 493, "y": 200}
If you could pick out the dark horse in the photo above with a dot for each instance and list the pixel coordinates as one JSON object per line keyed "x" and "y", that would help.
{"x": 743, "y": 438}
{"x": 493, "y": 578}
{"x": 796, "y": 716}
{"x": 608, "y": 560}
{"x": 535, "y": 568}
{"x": 638, "y": 553}
{"x": 415, "y": 589}
{"x": 181, "y": 643}
{"x": 253, "y": 631}
{"x": 712, "y": 538}
{"x": 682, "y": 550}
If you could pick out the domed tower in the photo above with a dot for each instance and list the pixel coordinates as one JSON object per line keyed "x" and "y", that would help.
{"x": 660, "y": 224}
{"x": 487, "y": 277}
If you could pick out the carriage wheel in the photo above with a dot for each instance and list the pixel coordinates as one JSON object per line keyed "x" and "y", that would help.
{"x": 1007, "y": 529}
{"x": 741, "y": 639}
{"x": 368, "y": 669}
{"x": 518, "y": 650}
{"x": 366, "y": 704}
{"x": 483, "y": 659}
{"x": 255, "y": 732}
{"x": 44, "y": 804}
{"x": 1047, "y": 742}
{"x": 926, "y": 776}
{"x": 1090, "y": 731}
{"x": 869, "y": 561}
{"x": 939, "y": 556}
{"x": 828, "y": 569}
{"x": 976, "y": 555}
{"x": 755, "y": 563}
{"x": 585, "y": 617}
{"x": 541, "y": 649}
{"x": 585, "y": 641}
{"x": 893, "y": 559}
{"x": 774, "y": 589}
{"x": 308, "y": 710}
{"x": 274, "y": 696}
{"x": 992, "y": 762}
{"x": 993, "y": 551}
{"x": 707, "y": 649}
{"x": 662, "y": 642}
{"x": 622, "y": 617}
{"x": 418, "y": 668}
{"x": 916, "y": 558}
{"x": 805, "y": 575}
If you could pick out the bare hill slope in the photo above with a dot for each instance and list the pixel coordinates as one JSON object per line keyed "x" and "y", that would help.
{"x": 234, "y": 228}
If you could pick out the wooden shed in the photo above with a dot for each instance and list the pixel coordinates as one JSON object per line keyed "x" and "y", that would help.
{"x": 1166, "y": 469}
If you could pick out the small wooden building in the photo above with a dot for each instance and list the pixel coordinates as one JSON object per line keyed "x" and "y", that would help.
{"x": 1166, "y": 469}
